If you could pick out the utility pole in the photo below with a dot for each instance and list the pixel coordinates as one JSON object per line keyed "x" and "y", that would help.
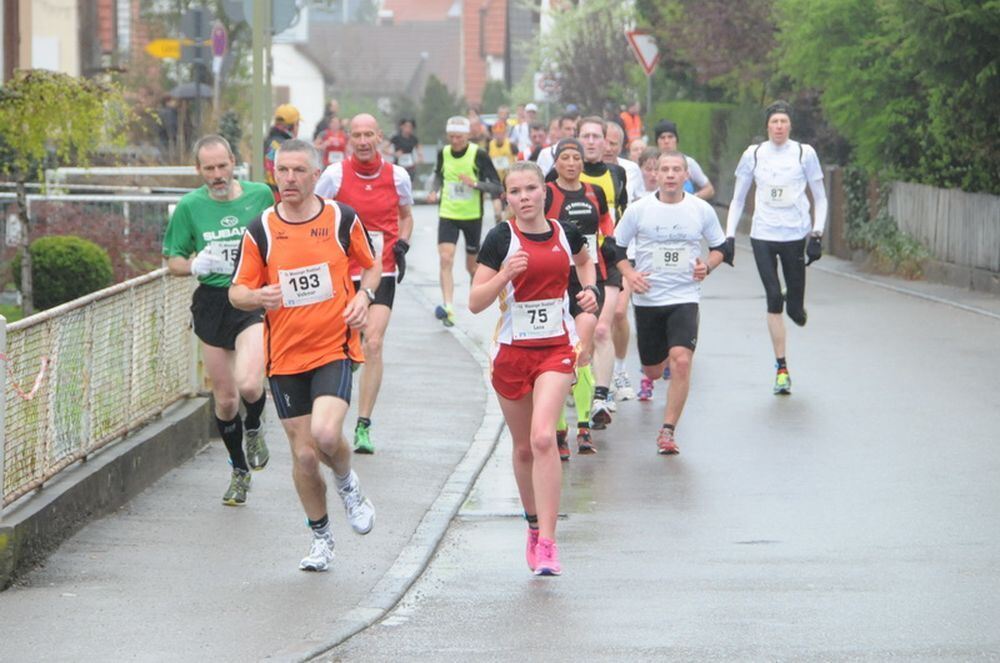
{"x": 261, "y": 24}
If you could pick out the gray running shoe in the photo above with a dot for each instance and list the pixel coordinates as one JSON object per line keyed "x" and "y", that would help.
{"x": 239, "y": 484}
{"x": 360, "y": 511}
{"x": 257, "y": 453}
{"x": 320, "y": 555}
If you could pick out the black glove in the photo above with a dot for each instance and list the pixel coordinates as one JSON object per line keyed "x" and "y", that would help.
{"x": 729, "y": 251}
{"x": 814, "y": 249}
{"x": 399, "y": 250}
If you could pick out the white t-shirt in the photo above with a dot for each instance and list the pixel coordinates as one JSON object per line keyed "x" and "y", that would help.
{"x": 697, "y": 176}
{"x": 547, "y": 159}
{"x": 667, "y": 241}
{"x": 633, "y": 179}
{"x": 329, "y": 182}
{"x": 781, "y": 207}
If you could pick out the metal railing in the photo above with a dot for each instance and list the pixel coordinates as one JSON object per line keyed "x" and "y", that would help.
{"x": 57, "y": 176}
{"x": 83, "y": 375}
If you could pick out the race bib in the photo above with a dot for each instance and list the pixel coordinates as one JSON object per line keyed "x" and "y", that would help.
{"x": 459, "y": 191}
{"x": 306, "y": 285}
{"x": 592, "y": 247}
{"x": 227, "y": 251}
{"x": 405, "y": 160}
{"x": 334, "y": 157}
{"x": 501, "y": 163}
{"x": 671, "y": 258}
{"x": 779, "y": 195}
{"x": 541, "y": 318}
{"x": 378, "y": 242}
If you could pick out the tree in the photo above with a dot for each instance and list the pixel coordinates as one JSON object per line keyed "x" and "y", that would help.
{"x": 911, "y": 85}
{"x": 47, "y": 117}
{"x": 495, "y": 95}
{"x": 588, "y": 52}
{"x": 436, "y": 107}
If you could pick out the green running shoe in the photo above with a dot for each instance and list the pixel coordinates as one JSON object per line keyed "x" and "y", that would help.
{"x": 782, "y": 383}
{"x": 239, "y": 484}
{"x": 362, "y": 441}
{"x": 257, "y": 453}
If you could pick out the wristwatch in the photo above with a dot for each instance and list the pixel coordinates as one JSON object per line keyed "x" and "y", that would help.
{"x": 370, "y": 294}
{"x": 593, "y": 289}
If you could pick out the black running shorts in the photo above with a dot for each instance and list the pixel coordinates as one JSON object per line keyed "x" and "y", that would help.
{"x": 659, "y": 328}
{"x": 293, "y": 395}
{"x": 217, "y": 322}
{"x": 385, "y": 293}
{"x": 471, "y": 230}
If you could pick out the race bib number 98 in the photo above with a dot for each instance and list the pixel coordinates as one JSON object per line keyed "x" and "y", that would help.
{"x": 306, "y": 285}
{"x": 537, "y": 319}
{"x": 671, "y": 258}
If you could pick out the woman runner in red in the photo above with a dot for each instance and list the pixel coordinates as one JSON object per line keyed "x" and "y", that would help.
{"x": 533, "y": 352}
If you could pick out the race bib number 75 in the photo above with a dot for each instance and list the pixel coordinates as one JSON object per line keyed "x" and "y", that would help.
{"x": 537, "y": 319}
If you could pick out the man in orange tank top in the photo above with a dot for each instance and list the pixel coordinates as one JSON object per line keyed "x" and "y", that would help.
{"x": 294, "y": 262}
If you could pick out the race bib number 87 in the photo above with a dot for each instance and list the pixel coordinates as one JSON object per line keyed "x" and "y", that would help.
{"x": 306, "y": 285}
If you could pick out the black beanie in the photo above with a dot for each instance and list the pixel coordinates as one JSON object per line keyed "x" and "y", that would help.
{"x": 665, "y": 127}
{"x": 777, "y": 107}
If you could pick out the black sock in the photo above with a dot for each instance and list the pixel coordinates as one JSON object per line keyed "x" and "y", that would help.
{"x": 232, "y": 437}
{"x": 364, "y": 421}
{"x": 781, "y": 363}
{"x": 321, "y": 524}
{"x": 583, "y": 424}
{"x": 600, "y": 393}
{"x": 254, "y": 410}
{"x": 669, "y": 427}
{"x": 532, "y": 521}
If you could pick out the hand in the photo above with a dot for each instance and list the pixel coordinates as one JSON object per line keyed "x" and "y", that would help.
{"x": 814, "y": 249}
{"x": 587, "y": 300}
{"x": 700, "y": 270}
{"x": 432, "y": 197}
{"x": 639, "y": 282}
{"x": 270, "y": 297}
{"x": 399, "y": 251}
{"x": 515, "y": 265}
{"x": 729, "y": 251}
{"x": 356, "y": 311}
{"x": 469, "y": 182}
{"x": 206, "y": 263}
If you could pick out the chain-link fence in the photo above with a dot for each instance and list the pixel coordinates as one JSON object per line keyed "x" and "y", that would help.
{"x": 85, "y": 374}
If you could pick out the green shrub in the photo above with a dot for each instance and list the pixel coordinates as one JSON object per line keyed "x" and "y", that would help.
{"x": 64, "y": 267}
{"x": 694, "y": 124}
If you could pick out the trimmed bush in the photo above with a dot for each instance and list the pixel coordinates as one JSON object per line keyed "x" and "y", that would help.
{"x": 64, "y": 267}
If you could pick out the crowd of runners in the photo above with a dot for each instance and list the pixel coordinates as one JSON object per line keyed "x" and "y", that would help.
{"x": 297, "y": 282}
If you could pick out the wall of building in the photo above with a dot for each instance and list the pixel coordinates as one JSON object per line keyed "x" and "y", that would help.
{"x": 304, "y": 83}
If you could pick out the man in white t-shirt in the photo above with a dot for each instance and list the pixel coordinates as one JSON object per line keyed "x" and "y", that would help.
{"x": 567, "y": 129}
{"x": 667, "y": 138}
{"x": 668, "y": 227}
{"x": 782, "y": 226}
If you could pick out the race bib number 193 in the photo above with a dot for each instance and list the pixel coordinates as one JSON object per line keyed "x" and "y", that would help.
{"x": 306, "y": 285}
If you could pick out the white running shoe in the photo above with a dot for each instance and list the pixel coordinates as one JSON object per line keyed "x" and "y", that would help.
{"x": 600, "y": 415}
{"x": 612, "y": 405}
{"x": 320, "y": 555}
{"x": 360, "y": 511}
{"x": 622, "y": 387}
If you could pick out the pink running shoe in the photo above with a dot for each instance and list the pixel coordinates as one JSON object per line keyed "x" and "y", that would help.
{"x": 530, "y": 551}
{"x": 665, "y": 443}
{"x": 645, "y": 389}
{"x": 547, "y": 558}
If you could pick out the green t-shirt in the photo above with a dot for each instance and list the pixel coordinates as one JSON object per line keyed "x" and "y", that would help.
{"x": 199, "y": 221}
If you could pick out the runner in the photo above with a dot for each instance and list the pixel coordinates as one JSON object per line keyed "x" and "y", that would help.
{"x": 502, "y": 153}
{"x": 635, "y": 150}
{"x": 521, "y": 134}
{"x": 382, "y": 195}
{"x": 332, "y": 142}
{"x": 632, "y": 122}
{"x": 612, "y": 149}
{"x": 667, "y": 138}
{"x": 567, "y": 129}
{"x": 533, "y": 355}
{"x": 583, "y": 206}
{"x": 782, "y": 227}
{"x": 668, "y": 227}
{"x": 536, "y": 144}
{"x": 406, "y": 147}
{"x": 613, "y": 180}
{"x": 294, "y": 262}
{"x": 285, "y": 127}
{"x": 465, "y": 172}
{"x": 209, "y": 222}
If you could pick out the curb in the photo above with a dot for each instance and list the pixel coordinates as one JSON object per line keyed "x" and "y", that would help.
{"x": 418, "y": 552}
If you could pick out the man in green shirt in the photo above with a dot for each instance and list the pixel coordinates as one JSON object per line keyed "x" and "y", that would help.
{"x": 462, "y": 174}
{"x": 208, "y": 224}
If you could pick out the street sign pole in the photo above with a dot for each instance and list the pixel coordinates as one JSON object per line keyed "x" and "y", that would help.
{"x": 646, "y": 51}
{"x": 261, "y": 26}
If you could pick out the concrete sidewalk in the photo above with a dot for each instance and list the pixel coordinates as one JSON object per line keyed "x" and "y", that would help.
{"x": 175, "y": 575}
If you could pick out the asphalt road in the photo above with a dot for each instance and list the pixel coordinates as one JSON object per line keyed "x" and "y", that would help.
{"x": 858, "y": 519}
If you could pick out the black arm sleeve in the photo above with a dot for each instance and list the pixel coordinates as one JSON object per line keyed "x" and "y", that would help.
{"x": 602, "y": 200}
{"x": 621, "y": 188}
{"x": 494, "y": 248}
{"x": 486, "y": 174}
{"x": 438, "y": 172}
{"x": 621, "y": 253}
{"x": 576, "y": 240}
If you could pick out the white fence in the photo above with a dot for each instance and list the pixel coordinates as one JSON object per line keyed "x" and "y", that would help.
{"x": 83, "y": 375}
{"x": 957, "y": 227}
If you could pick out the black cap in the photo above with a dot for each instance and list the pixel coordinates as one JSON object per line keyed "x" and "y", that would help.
{"x": 665, "y": 127}
{"x": 567, "y": 144}
{"x": 777, "y": 107}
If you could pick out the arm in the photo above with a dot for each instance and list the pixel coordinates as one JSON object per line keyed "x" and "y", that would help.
{"x": 178, "y": 266}
{"x": 737, "y": 204}
{"x": 820, "y": 205}
{"x": 489, "y": 180}
{"x": 432, "y": 195}
{"x": 706, "y": 192}
{"x": 488, "y": 282}
{"x": 356, "y": 311}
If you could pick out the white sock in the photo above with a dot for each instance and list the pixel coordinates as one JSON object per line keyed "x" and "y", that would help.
{"x": 619, "y": 365}
{"x": 343, "y": 482}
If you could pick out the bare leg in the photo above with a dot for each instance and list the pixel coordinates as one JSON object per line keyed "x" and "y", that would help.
{"x": 371, "y": 374}
{"x": 309, "y": 482}
{"x": 248, "y": 369}
{"x": 446, "y": 253}
{"x": 776, "y": 328}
